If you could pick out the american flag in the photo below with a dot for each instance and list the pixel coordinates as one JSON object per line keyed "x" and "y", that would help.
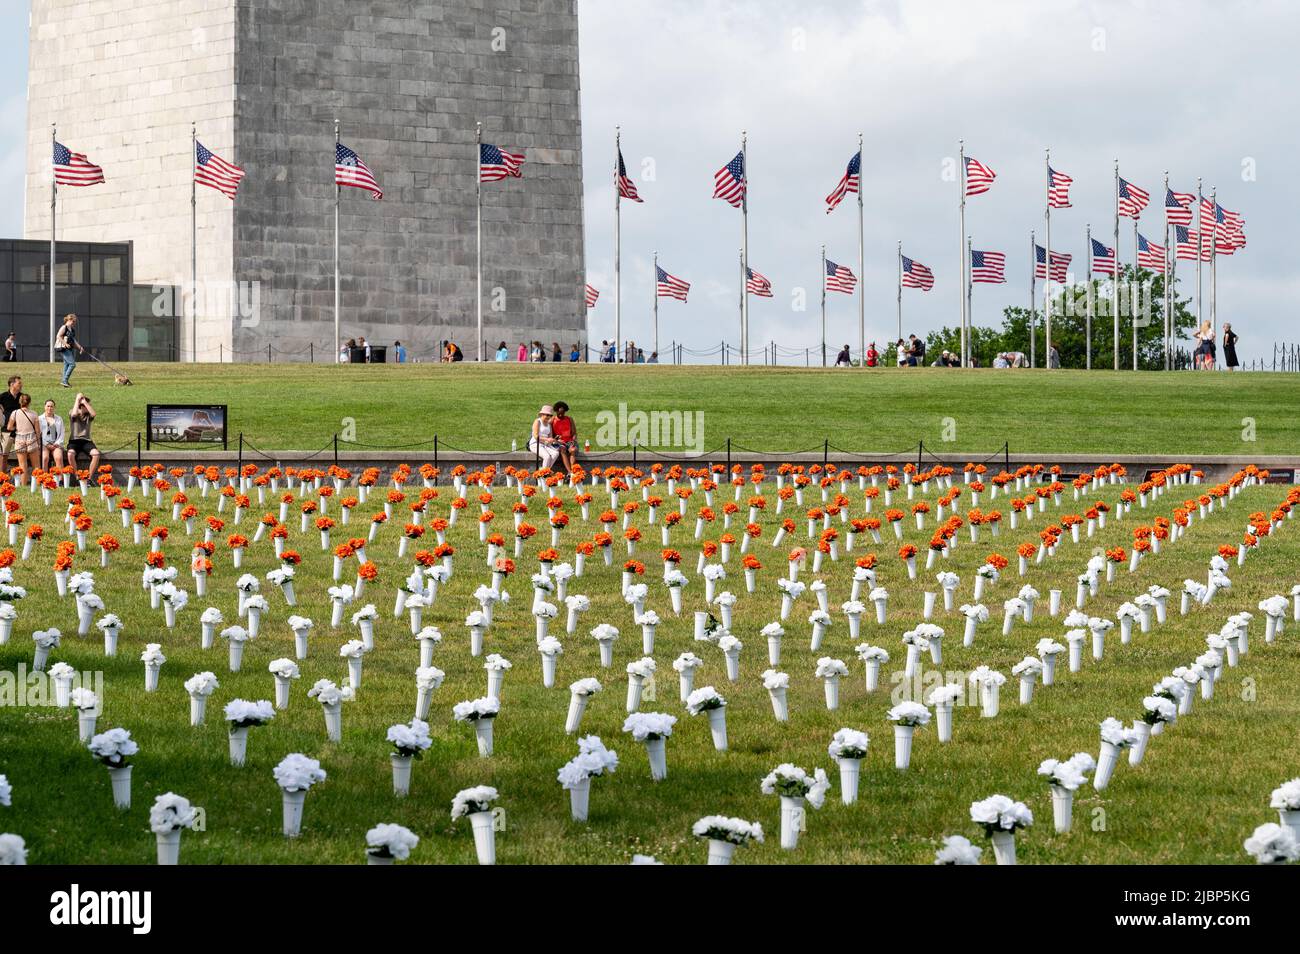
{"x": 979, "y": 177}
{"x": 847, "y": 184}
{"x": 669, "y": 286}
{"x": 1229, "y": 227}
{"x": 757, "y": 284}
{"x": 1058, "y": 189}
{"x": 1185, "y": 242}
{"x": 592, "y": 295}
{"x": 840, "y": 278}
{"x": 211, "y": 170}
{"x": 1178, "y": 207}
{"x": 1060, "y": 264}
{"x": 495, "y": 163}
{"x": 626, "y": 187}
{"x": 74, "y": 169}
{"x": 1132, "y": 200}
{"x": 729, "y": 181}
{"x": 916, "y": 275}
{"x": 349, "y": 170}
{"x": 1103, "y": 259}
{"x": 1150, "y": 255}
{"x": 990, "y": 268}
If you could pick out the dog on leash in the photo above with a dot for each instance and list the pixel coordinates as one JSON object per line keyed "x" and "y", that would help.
{"x": 122, "y": 379}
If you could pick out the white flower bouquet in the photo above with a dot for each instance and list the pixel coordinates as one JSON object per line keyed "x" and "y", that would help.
{"x": 990, "y": 682}
{"x": 331, "y": 698}
{"x": 724, "y": 834}
{"x": 386, "y": 843}
{"x": 795, "y": 787}
{"x": 652, "y": 729}
{"x": 873, "y": 657}
{"x": 168, "y": 817}
{"x": 907, "y": 717}
{"x": 1001, "y": 818}
{"x": 242, "y": 715}
{"x": 1064, "y": 778}
{"x": 849, "y": 747}
{"x": 957, "y": 850}
{"x": 295, "y": 775}
{"x": 481, "y": 713}
{"x": 575, "y": 776}
{"x": 579, "y": 693}
{"x": 944, "y": 698}
{"x": 114, "y": 749}
{"x": 1028, "y": 671}
{"x": 476, "y": 805}
{"x": 285, "y": 671}
{"x": 1115, "y": 737}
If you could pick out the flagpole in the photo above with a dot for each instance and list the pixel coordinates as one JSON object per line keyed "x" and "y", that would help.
{"x": 823, "y": 306}
{"x": 900, "y": 291}
{"x": 1114, "y": 285}
{"x": 194, "y": 246}
{"x": 744, "y": 252}
{"x": 54, "y": 201}
{"x": 862, "y": 269}
{"x": 1200, "y": 248}
{"x": 970, "y": 281}
{"x": 1047, "y": 285}
{"x": 1033, "y": 280}
{"x": 478, "y": 245}
{"x": 961, "y": 236}
{"x": 1133, "y": 294}
{"x": 655, "y": 284}
{"x": 1088, "y": 303}
{"x": 618, "y": 254}
{"x": 744, "y": 278}
{"x": 338, "y": 338}
{"x": 1169, "y": 277}
{"x": 1214, "y": 260}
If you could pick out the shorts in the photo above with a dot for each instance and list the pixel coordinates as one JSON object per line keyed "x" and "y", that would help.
{"x": 7, "y": 443}
{"x": 82, "y": 445}
{"x": 25, "y": 443}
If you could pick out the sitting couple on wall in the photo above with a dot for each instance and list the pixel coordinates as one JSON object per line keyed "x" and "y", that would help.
{"x": 554, "y": 438}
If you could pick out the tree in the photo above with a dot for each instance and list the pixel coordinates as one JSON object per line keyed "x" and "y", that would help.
{"x": 1069, "y": 325}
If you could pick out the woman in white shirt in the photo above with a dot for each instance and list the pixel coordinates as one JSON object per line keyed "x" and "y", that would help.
{"x": 543, "y": 442}
{"x": 51, "y": 426}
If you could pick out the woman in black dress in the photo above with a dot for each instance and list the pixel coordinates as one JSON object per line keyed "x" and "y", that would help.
{"x": 1230, "y": 347}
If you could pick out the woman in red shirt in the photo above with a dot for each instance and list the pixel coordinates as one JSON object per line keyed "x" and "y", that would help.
{"x": 566, "y": 432}
{"x": 873, "y": 356}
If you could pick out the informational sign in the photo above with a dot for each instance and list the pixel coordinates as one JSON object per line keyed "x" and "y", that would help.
{"x": 185, "y": 424}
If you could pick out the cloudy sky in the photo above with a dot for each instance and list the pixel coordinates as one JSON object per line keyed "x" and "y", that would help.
{"x": 1195, "y": 88}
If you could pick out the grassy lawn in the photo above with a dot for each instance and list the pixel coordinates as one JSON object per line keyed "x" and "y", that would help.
{"x": 301, "y": 407}
{"x": 1202, "y": 788}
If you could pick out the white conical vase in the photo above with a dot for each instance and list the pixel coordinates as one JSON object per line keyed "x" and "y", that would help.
{"x": 485, "y": 838}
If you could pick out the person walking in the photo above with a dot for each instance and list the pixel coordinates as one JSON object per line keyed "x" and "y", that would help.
{"x": 522, "y": 354}
{"x": 11, "y": 347}
{"x": 575, "y": 353}
{"x": 67, "y": 345}
{"x": 51, "y": 437}
{"x": 873, "y": 356}
{"x": 1230, "y": 347}
{"x": 399, "y": 352}
{"x": 503, "y": 353}
{"x": 556, "y": 353}
{"x": 842, "y": 360}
